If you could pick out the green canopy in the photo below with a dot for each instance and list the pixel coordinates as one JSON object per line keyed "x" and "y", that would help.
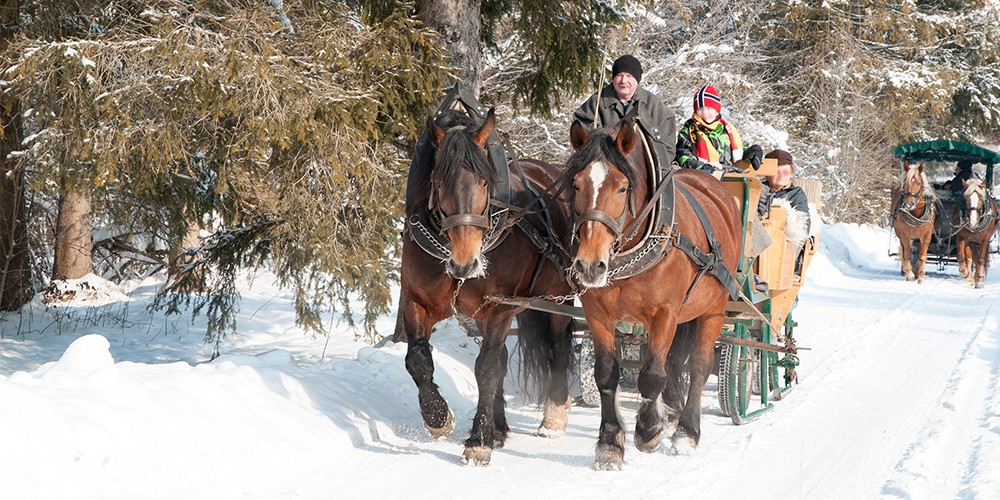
{"x": 949, "y": 151}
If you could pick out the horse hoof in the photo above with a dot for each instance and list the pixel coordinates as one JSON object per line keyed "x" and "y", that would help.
{"x": 681, "y": 444}
{"x": 554, "y": 420}
{"x": 546, "y": 432}
{"x": 648, "y": 446}
{"x": 477, "y": 455}
{"x": 500, "y": 437}
{"x": 608, "y": 459}
{"x": 909, "y": 277}
{"x": 920, "y": 281}
{"x": 443, "y": 431}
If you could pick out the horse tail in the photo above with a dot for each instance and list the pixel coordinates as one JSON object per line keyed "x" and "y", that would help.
{"x": 546, "y": 352}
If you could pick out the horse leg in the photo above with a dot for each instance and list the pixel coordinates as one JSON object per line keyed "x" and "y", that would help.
{"x": 610, "y": 453}
{"x": 688, "y": 431}
{"x": 500, "y": 428}
{"x": 675, "y": 393}
{"x": 652, "y": 382}
{"x": 921, "y": 271}
{"x": 963, "y": 261}
{"x": 438, "y": 419}
{"x": 545, "y": 344}
{"x": 905, "y": 255}
{"x": 557, "y": 402}
{"x": 491, "y": 366}
{"x": 981, "y": 254}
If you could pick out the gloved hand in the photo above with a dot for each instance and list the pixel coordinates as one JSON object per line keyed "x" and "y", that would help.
{"x": 713, "y": 166}
{"x": 754, "y": 155}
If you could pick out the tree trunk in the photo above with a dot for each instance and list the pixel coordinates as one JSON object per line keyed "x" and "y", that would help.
{"x": 178, "y": 260}
{"x": 460, "y": 25}
{"x": 399, "y": 333}
{"x": 15, "y": 262}
{"x": 73, "y": 240}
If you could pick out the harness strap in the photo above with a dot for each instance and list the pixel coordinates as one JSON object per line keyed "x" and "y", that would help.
{"x": 480, "y": 221}
{"x": 666, "y": 183}
{"x": 710, "y": 262}
{"x": 613, "y": 225}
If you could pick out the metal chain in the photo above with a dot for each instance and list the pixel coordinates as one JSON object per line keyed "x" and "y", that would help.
{"x": 558, "y": 299}
{"x": 495, "y": 229}
{"x": 423, "y": 229}
{"x": 454, "y": 297}
{"x": 642, "y": 253}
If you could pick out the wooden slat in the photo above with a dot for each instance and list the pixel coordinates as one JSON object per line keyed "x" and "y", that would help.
{"x": 814, "y": 192}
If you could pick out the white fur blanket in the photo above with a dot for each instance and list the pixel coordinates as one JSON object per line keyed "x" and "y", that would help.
{"x": 796, "y": 231}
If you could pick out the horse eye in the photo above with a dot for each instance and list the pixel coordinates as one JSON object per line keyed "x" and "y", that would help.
{"x": 576, "y": 187}
{"x": 623, "y": 189}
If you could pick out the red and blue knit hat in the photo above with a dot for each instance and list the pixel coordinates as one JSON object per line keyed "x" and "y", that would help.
{"x": 708, "y": 97}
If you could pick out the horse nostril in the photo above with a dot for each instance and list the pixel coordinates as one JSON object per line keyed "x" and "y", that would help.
{"x": 602, "y": 267}
{"x": 578, "y": 266}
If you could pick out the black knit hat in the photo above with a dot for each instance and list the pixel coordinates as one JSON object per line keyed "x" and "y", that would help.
{"x": 627, "y": 64}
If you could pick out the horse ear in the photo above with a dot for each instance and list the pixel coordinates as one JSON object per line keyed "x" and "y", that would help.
{"x": 577, "y": 135}
{"x": 626, "y": 139}
{"x": 436, "y": 132}
{"x": 920, "y": 168}
{"x": 480, "y": 136}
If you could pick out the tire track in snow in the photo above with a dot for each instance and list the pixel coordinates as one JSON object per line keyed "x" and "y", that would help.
{"x": 877, "y": 360}
{"x": 960, "y": 441}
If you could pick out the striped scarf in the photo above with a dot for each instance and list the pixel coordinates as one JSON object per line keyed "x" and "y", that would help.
{"x": 703, "y": 145}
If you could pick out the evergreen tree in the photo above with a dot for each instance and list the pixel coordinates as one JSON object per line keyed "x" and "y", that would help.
{"x": 280, "y": 129}
{"x": 859, "y": 77}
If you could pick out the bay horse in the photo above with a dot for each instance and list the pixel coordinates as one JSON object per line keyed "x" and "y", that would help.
{"x": 914, "y": 218}
{"x": 973, "y": 238}
{"x": 609, "y": 176}
{"x": 449, "y": 203}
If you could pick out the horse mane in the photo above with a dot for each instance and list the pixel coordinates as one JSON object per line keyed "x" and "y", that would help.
{"x": 456, "y": 151}
{"x": 973, "y": 185}
{"x": 927, "y": 188}
{"x": 600, "y": 146}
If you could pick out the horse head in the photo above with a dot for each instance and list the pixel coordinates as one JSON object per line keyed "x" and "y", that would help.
{"x": 975, "y": 200}
{"x": 603, "y": 183}
{"x": 462, "y": 182}
{"x": 912, "y": 185}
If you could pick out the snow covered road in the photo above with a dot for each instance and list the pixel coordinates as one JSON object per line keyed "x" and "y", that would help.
{"x": 898, "y": 397}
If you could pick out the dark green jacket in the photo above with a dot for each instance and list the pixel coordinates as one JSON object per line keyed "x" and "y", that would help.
{"x": 655, "y": 119}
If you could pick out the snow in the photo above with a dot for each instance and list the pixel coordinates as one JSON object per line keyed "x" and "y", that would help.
{"x": 898, "y": 397}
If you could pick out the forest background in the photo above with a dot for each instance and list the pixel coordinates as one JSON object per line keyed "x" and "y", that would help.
{"x": 202, "y": 139}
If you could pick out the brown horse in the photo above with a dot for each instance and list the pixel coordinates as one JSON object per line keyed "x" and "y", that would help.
{"x": 973, "y": 239}
{"x": 610, "y": 177}
{"x": 914, "y": 218}
{"x": 451, "y": 209}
